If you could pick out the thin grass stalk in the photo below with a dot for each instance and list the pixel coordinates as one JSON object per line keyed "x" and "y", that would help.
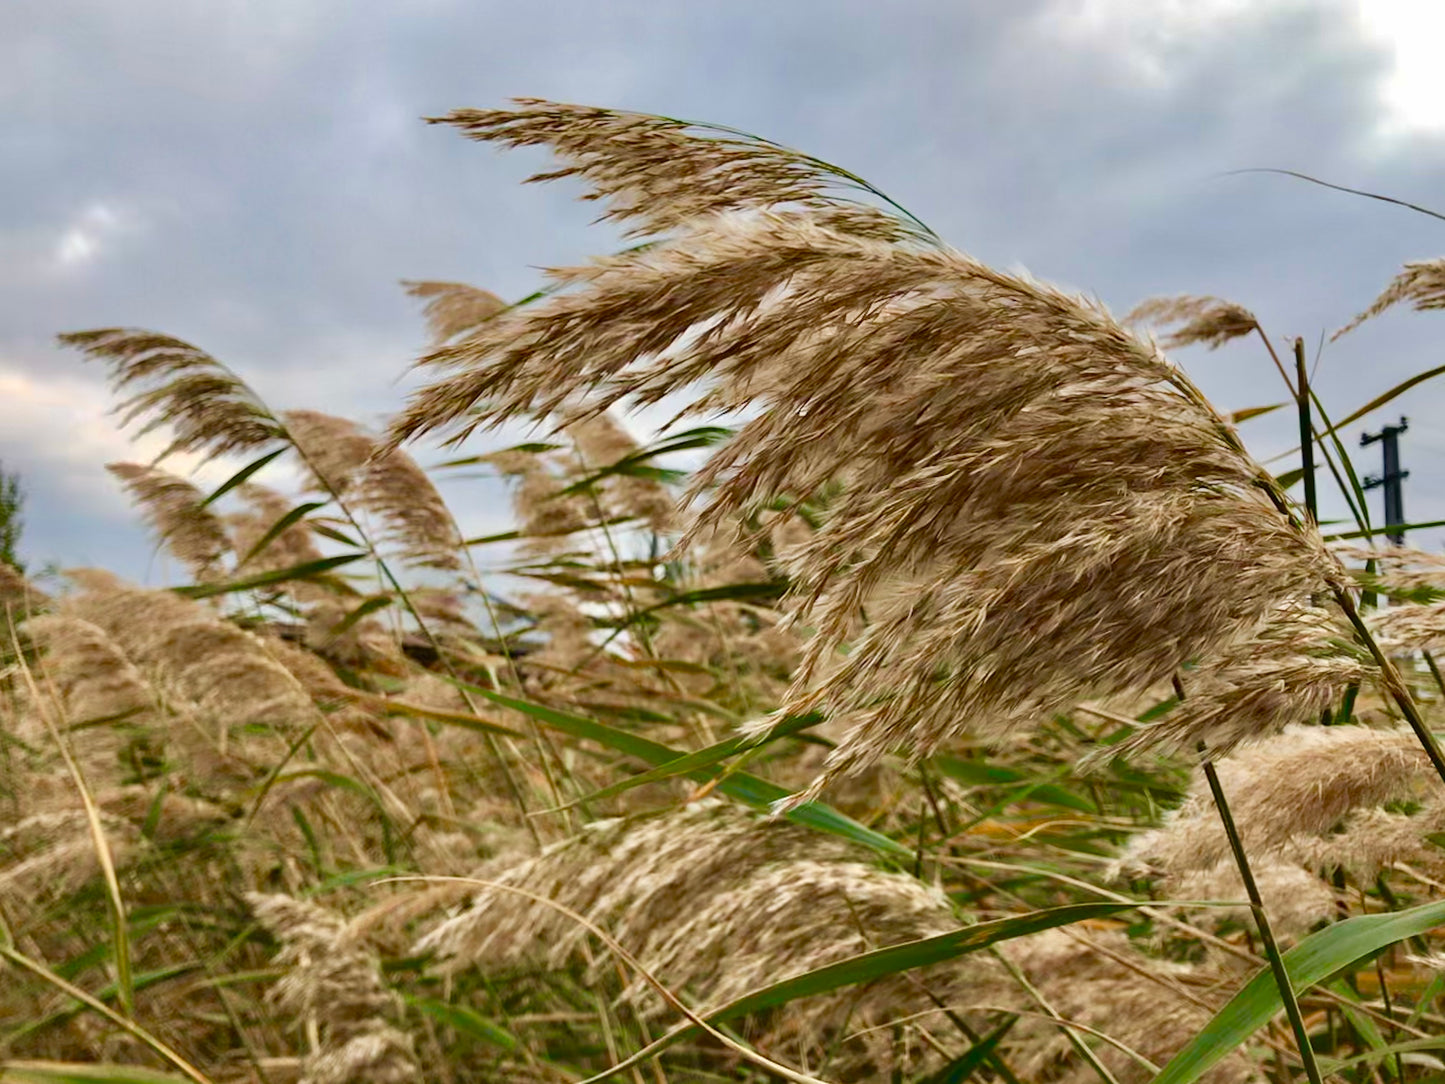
{"x": 35, "y": 967}
{"x": 1306, "y": 433}
{"x": 1435, "y": 671}
{"x": 1051, "y": 1013}
{"x": 115, "y": 903}
{"x": 1349, "y": 487}
{"x": 1261, "y": 921}
{"x": 385, "y": 569}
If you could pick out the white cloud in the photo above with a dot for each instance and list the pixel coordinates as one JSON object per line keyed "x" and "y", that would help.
{"x": 1413, "y": 31}
{"x": 89, "y": 234}
{"x": 64, "y": 426}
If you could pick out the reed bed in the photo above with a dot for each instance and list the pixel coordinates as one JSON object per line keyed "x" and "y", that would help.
{"x": 971, "y": 705}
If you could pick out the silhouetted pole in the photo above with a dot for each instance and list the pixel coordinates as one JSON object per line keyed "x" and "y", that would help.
{"x": 1390, "y": 479}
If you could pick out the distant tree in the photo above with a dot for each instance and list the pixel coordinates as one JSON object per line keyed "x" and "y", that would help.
{"x": 12, "y": 500}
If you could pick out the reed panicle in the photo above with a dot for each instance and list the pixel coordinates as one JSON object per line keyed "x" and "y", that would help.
{"x": 1373, "y": 841}
{"x": 1296, "y": 898}
{"x": 18, "y": 596}
{"x": 210, "y": 409}
{"x": 1208, "y": 320}
{"x": 1288, "y": 671}
{"x": 333, "y": 986}
{"x": 49, "y": 855}
{"x": 386, "y": 483}
{"x": 208, "y": 665}
{"x": 1399, "y": 569}
{"x": 88, "y": 670}
{"x": 603, "y": 444}
{"x": 288, "y": 548}
{"x": 1422, "y": 283}
{"x": 1036, "y": 506}
{"x": 453, "y": 308}
{"x": 177, "y": 512}
{"x": 1410, "y": 627}
{"x": 1304, "y": 782}
{"x": 657, "y": 173}
{"x": 766, "y": 899}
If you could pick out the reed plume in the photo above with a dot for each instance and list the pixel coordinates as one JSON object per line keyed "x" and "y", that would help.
{"x": 333, "y": 986}
{"x": 94, "y": 680}
{"x": 386, "y": 483}
{"x": 603, "y": 444}
{"x": 661, "y": 172}
{"x": 1292, "y": 668}
{"x": 1399, "y": 570}
{"x": 18, "y": 596}
{"x": 207, "y": 665}
{"x": 454, "y": 307}
{"x": 1303, "y": 783}
{"x": 1422, "y": 282}
{"x": 287, "y": 548}
{"x": 1410, "y": 626}
{"x": 1036, "y": 506}
{"x": 717, "y": 902}
{"x": 177, "y": 511}
{"x": 1208, "y": 320}
{"x": 210, "y": 409}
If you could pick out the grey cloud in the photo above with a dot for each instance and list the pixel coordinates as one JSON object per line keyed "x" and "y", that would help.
{"x": 269, "y": 178}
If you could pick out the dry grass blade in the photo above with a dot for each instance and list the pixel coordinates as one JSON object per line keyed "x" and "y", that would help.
{"x": 1422, "y": 283}
{"x": 177, "y": 384}
{"x": 1036, "y": 506}
{"x": 1208, "y": 320}
{"x": 454, "y": 308}
{"x": 176, "y": 510}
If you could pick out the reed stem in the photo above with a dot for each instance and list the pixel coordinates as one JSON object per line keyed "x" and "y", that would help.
{"x": 1261, "y": 921}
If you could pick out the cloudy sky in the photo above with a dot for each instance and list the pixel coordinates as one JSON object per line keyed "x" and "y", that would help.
{"x": 253, "y": 176}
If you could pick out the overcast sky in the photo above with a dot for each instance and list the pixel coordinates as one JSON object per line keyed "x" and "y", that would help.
{"x": 253, "y": 176}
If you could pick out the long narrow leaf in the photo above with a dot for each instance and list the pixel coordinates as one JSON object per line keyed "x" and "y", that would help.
{"x": 746, "y": 788}
{"x": 880, "y": 963}
{"x": 241, "y": 476}
{"x": 704, "y": 758}
{"x": 310, "y": 570}
{"x": 290, "y": 519}
{"x": 1313, "y": 960}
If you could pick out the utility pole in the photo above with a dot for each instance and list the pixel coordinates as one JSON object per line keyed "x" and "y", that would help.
{"x": 1390, "y": 479}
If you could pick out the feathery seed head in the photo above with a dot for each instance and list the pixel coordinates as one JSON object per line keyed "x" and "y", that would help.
{"x": 384, "y": 481}
{"x": 1304, "y": 782}
{"x": 715, "y": 902}
{"x": 210, "y": 409}
{"x": 1207, "y": 320}
{"x": 659, "y": 172}
{"x": 176, "y": 511}
{"x": 454, "y": 308}
{"x": 333, "y": 980}
{"x": 1422, "y": 282}
{"x": 1035, "y": 506}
